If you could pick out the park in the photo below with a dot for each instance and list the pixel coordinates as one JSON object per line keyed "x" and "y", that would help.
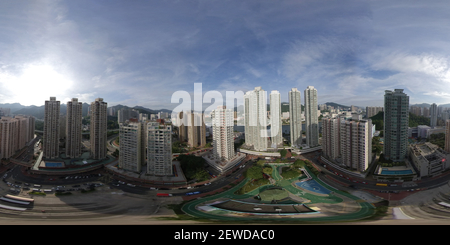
{"x": 289, "y": 190}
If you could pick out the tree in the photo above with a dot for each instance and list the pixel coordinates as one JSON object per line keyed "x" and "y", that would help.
{"x": 299, "y": 163}
{"x": 283, "y": 153}
{"x": 254, "y": 173}
{"x": 267, "y": 170}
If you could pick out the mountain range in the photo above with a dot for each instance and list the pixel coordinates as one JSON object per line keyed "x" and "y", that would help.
{"x": 39, "y": 111}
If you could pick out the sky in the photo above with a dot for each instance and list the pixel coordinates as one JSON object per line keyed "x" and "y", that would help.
{"x": 142, "y": 52}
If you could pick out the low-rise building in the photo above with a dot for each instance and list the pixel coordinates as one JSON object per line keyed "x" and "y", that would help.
{"x": 428, "y": 159}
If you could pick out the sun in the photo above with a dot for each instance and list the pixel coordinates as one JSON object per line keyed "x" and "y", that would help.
{"x": 36, "y": 84}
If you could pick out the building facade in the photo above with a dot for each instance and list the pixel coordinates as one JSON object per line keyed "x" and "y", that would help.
{"x": 311, "y": 117}
{"x": 434, "y": 115}
{"x": 331, "y": 137}
{"x": 255, "y": 113}
{"x": 98, "y": 129}
{"x": 372, "y": 111}
{"x": 159, "y": 149}
{"x": 295, "y": 117}
{"x": 9, "y": 132}
{"x": 223, "y": 133}
{"x": 276, "y": 135}
{"x": 51, "y": 137}
{"x": 356, "y": 143}
{"x": 396, "y": 119}
{"x": 131, "y": 157}
{"x": 73, "y": 128}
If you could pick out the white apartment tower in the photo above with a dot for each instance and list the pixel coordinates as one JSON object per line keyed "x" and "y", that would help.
{"x": 255, "y": 111}
{"x": 356, "y": 143}
{"x": 51, "y": 128}
{"x": 159, "y": 149}
{"x": 131, "y": 155}
{"x": 295, "y": 117}
{"x": 311, "y": 117}
{"x": 434, "y": 113}
{"x": 275, "y": 119}
{"x": 223, "y": 140}
{"x": 98, "y": 129}
{"x": 73, "y": 128}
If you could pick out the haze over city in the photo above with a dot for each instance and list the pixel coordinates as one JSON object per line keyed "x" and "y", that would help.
{"x": 141, "y": 52}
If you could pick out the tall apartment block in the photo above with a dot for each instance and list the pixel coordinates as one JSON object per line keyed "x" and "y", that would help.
{"x": 192, "y": 128}
{"x": 372, "y": 111}
{"x": 159, "y": 149}
{"x": 433, "y": 113}
{"x": 276, "y": 135}
{"x": 396, "y": 119}
{"x": 126, "y": 114}
{"x": 331, "y": 147}
{"x": 426, "y": 112}
{"x": 295, "y": 117}
{"x": 26, "y": 130}
{"x": 9, "y": 131}
{"x": 223, "y": 140}
{"x": 356, "y": 143}
{"x": 311, "y": 117}
{"x": 98, "y": 129}
{"x": 50, "y": 137}
{"x": 132, "y": 155}
{"x": 73, "y": 128}
{"x": 255, "y": 114}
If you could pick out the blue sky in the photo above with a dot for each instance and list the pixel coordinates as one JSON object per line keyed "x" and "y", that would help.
{"x": 141, "y": 52}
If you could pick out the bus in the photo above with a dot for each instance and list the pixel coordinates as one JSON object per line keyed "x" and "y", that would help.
{"x": 19, "y": 198}
{"x": 37, "y": 186}
{"x": 163, "y": 195}
{"x": 381, "y": 184}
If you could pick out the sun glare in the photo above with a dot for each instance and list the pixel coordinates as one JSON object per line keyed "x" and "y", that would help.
{"x": 36, "y": 84}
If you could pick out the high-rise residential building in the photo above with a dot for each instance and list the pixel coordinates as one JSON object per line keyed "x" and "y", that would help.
{"x": 73, "y": 128}
{"x": 50, "y": 137}
{"x": 311, "y": 117}
{"x": 192, "y": 128}
{"x": 223, "y": 140}
{"x": 159, "y": 149}
{"x": 416, "y": 110}
{"x": 276, "y": 135}
{"x": 396, "y": 119}
{"x": 426, "y": 112}
{"x": 331, "y": 147}
{"x": 255, "y": 110}
{"x": 433, "y": 113}
{"x": 5, "y": 112}
{"x": 98, "y": 129}
{"x": 126, "y": 114}
{"x": 23, "y": 131}
{"x": 132, "y": 156}
{"x": 9, "y": 131}
{"x": 447, "y": 136}
{"x": 356, "y": 143}
{"x": 295, "y": 117}
{"x": 373, "y": 110}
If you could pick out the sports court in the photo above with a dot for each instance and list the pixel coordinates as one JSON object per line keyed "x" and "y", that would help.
{"x": 312, "y": 186}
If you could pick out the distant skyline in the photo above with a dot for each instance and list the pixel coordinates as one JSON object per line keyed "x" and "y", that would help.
{"x": 141, "y": 52}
